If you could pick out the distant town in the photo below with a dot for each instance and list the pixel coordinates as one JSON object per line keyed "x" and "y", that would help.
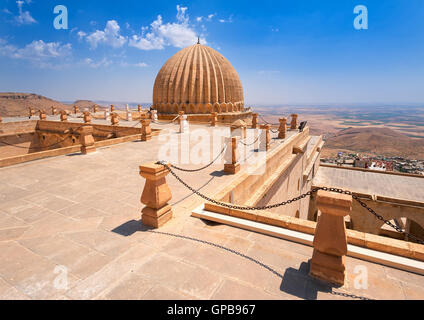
{"x": 378, "y": 163}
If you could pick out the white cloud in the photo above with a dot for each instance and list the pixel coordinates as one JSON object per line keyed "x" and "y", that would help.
{"x": 178, "y": 34}
{"x": 208, "y": 18}
{"x": 92, "y": 64}
{"x": 141, "y": 65}
{"x": 24, "y": 17}
{"x": 5, "y": 10}
{"x": 229, "y": 20}
{"x": 81, "y": 34}
{"x": 110, "y": 36}
{"x": 38, "y": 50}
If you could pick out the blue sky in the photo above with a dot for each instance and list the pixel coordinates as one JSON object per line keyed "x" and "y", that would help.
{"x": 286, "y": 52}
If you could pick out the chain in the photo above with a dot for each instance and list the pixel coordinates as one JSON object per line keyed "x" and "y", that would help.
{"x": 302, "y": 196}
{"x": 202, "y": 168}
{"x": 249, "y": 144}
{"x": 273, "y": 124}
{"x": 166, "y": 123}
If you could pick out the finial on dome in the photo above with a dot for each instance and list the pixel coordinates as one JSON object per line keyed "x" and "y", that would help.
{"x": 198, "y": 40}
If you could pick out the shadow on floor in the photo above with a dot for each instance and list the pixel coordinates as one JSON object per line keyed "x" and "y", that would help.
{"x": 131, "y": 227}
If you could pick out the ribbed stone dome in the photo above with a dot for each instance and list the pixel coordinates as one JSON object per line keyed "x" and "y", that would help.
{"x": 198, "y": 79}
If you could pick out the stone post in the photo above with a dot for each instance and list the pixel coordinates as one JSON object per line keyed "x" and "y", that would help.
{"x": 42, "y": 115}
{"x": 129, "y": 115}
{"x": 87, "y": 140}
{"x": 31, "y": 112}
{"x": 293, "y": 125}
{"x": 330, "y": 241}
{"x": 282, "y": 129}
{"x": 233, "y": 166}
{"x": 139, "y": 108}
{"x": 76, "y": 109}
{"x": 54, "y": 111}
{"x": 63, "y": 116}
{"x": 95, "y": 108}
{"x": 155, "y": 196}
{"x": 181, "y": 119}
{"x": 87, "y": 117}
{"x": 214, "y": 119}
{"x": 1, "y": 120}
{"x": 112, "y": 108}
{"x": 146, "y": 130}
{"x": 154, "y": 115}
{"x": 265, "y": 140}
{"x": 107, "y": 114}
{"x": 254, "y": 120}
{"x": 114, "y": 119}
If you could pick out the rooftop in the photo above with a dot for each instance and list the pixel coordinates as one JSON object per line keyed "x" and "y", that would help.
{"x": 82, "y": 214}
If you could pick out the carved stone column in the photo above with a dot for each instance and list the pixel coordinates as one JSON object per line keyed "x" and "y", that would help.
{"x": 63, "y": 116}
{"x": 282, "y": 129}
{"x": 95, "y": 108}
{"x": 112, "y": 108}
{"x": 330, "y": 241}
{"x": 293, "y": 125}
{"x": 54, "y": 111}
{"x": 232, "y": 156}
{"x": 87, "y": 117}
{"x": 254, "y": 120}
{"x": 146, "y": 130}
{"x": 76, "y": 110}
{"x": 155, "y": 196}
{"x": 214, "y": 119}
{"x": 139, "y": 108}
{"x": 114, "y": 119}
{"x": 42, "y": 115}
{"x": 31, "y": 112}
{"x": 265, "y": 140}
{"x": 87, "y": 140}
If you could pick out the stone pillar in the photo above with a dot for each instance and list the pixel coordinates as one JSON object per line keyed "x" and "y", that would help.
{"x": 129, "y": 115}
{"x": 87, "y": 117}
{"x": 31, "y": 112}
{"x": 330, "y": 241}
{"x": 254, "y": 120}
{"x": 282, "y": 129}
{"x": 154, "y": 115}
{"x": 63, "y": 116}
{"x": 139, "y": 108}
{"x": 107, "y": 114}
{"x": 112, "y": 108}
{"x": 54, "y": 111}
{"x": 76, "y": 109}
{"x": 181, "y": 120}
{"x": 265, "y": 140}
{"x": 87, "y": 140}
{"x": 95, "y": 108}
{"x": 214, "y": 119}
{"x": 155, "y": 196}
{"x": 42, "y": 115}
{"x": 114, "y": 119}
{"x": 232, "y": 166}
{"x": 1, "y": 120}
{"x": 293, "y": 125}
{"x": 146, "y": 130}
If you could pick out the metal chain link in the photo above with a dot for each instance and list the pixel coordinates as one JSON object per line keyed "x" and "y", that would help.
{"x": 249, "y": 144}
{"x": 202, "y": 168}
{"x": 263, "y": 119}
{"x": 166, "y": 123}
{"x": 302, "y": 196}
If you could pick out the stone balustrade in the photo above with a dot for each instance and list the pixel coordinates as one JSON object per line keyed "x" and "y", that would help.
{"x": 155, "y": 196}
{"x": 282, "y": 129}
{"x": 232, "y": 164}
{"x": 293, "y": 125}
{"x": 265, "y": 140}
{"x": 63, "y": 116}
{"x": 87, "y": 117}
{"x": 146, "y": 130}
{"x": 254, "y": 120}
{"x": 214, "y": 119}
{"x": 87, "y": 139}
{"x": 330, "y": 241}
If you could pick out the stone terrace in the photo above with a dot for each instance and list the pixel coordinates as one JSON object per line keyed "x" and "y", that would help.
{"x": 83, "y": 213}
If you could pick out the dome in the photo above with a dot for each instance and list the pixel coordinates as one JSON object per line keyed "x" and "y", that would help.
{"x": 198, "y": 79}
